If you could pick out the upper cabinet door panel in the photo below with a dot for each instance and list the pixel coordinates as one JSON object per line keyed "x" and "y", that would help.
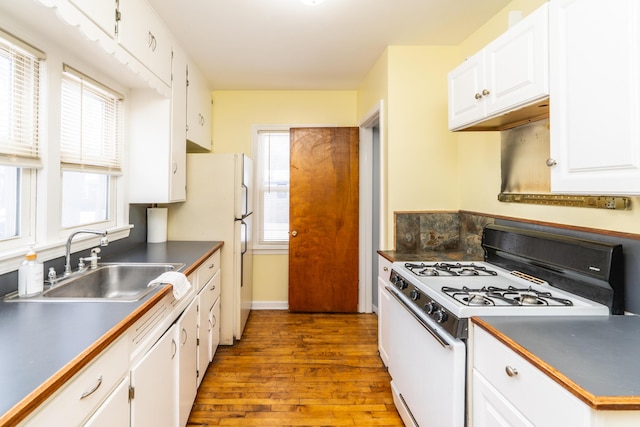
{"x": 595, "y": 91}
{"x": 517, "y": 63}
{"x": 143, "y": 34}
{"x": 101, "y": 12}
{"x": 465, "y": 92}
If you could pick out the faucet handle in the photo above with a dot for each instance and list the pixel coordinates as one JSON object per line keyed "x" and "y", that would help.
{"x": 52, "y": 276}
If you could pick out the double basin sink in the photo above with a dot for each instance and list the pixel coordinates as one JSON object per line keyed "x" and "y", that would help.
{"x": 118, "y": 282}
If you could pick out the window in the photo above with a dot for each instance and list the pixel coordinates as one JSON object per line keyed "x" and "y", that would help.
{"x": 19, "y": 154}
{"x": 271, "y": 152}
{"x": 89, "y": 150}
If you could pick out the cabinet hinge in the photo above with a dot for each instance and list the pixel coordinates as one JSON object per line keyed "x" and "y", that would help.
{"x": 197, "y": 373}
{"x": 132, "y": 392}
{"x": 197, "y": 341}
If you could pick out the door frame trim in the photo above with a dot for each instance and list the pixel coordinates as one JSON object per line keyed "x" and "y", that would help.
{"x": 373, "y": 118}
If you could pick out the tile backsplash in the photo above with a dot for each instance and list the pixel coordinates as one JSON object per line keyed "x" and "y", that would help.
{"x": 440, "y": 231}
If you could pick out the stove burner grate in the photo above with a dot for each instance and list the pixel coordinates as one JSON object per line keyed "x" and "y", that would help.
{"x": 449, "y": 269}
{"x": 489, "y": 295}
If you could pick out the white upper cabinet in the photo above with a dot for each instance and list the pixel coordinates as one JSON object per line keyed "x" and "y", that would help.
{"x": 509, "y": 73}
{"x": 144, "y": 35}
{"x": 595, "y": 97}
{"x": 198, "y": 111}
{"x": 101, "y": 12}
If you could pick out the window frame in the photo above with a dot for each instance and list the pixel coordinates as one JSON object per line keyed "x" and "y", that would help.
{"x": 258, "y": 211}
{"x": 24, "y": 153}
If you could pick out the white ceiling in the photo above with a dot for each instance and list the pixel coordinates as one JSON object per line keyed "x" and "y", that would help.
{"x": 283, "y": 44}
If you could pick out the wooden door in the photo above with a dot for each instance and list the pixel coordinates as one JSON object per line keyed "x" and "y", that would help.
{"x": 323, "y": 217}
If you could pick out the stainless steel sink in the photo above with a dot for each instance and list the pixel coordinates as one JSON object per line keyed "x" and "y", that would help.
{"x": 118, "y": 282}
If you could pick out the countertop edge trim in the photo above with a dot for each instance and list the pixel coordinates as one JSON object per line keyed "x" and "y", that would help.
{"x": 614, "y": 403}
{"x": 38, "y": 396}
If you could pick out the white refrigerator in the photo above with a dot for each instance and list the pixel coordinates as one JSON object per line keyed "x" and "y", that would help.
{"x": 219, "y": 207}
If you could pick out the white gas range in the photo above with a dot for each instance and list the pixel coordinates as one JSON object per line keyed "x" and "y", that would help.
{"x": 524, "y": 273}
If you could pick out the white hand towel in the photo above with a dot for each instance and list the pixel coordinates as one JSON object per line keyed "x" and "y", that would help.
{"x": 179, "y": 281}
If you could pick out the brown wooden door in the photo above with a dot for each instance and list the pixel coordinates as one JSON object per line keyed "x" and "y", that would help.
{"x": 323, "y": 216}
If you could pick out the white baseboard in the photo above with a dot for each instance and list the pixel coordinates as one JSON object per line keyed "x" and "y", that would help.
{"x": 270, "y": 305}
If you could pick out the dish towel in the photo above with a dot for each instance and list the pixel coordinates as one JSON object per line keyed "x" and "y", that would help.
{"x": 179, "y": 281}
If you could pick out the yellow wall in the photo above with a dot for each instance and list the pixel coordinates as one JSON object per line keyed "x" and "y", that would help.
{"x": 234, "y": 114}
{"x": 422, "y": 153}
{"x": 479, "y": 160}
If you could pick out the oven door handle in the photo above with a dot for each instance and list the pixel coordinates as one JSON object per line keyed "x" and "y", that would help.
{"x": 443, "y": 341}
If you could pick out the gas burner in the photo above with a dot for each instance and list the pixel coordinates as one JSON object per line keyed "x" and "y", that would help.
{"x": 510, "y": 296}
{"x": 449, "y": 269}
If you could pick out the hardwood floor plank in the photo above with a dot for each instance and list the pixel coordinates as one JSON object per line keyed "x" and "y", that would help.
{"x": 297, "y": 369}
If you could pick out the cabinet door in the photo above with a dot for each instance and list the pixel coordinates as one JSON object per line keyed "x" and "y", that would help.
{"x": 178, "y": 181}
{"x": 384, "y": 271}
{"x": 186, "y": 334}
{"x": 595, "y": 131}
{"x": 154, "y": 382}
{"x": 466, "y": 83}
{"x": 214, "y": 320}
{"x": 383, "y": 322}
{"x": 143, "y": 34}
{"x": 517, "y": 64}
{"x": 101, "y": 12}
{"x": 198, "y": 111}
{"x": 206, "y": 299}
{"x": 115, "y": 410}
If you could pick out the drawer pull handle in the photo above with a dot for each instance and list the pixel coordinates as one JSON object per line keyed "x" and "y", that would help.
{"x": 213, "y": 288}
{"x": 185, "y": 336}
{"x": 212, "y": 265}
{"x": 511, "y": 371}
{"x": 385, "y": 268}
{"x": 93, "y": 390}
{"x": 174, "y": 348}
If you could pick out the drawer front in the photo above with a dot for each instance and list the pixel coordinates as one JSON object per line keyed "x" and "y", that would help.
{"x": 384, "y": 268}
{"x": 77, "y": 400}
{"x": 492, "y": 359}
{"x": 208, "y": 269}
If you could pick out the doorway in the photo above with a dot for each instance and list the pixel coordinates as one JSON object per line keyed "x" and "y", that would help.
{"x": 372, "y": 199}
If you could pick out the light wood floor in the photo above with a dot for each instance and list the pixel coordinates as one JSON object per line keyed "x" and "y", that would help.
{"x": 294, "y": 369}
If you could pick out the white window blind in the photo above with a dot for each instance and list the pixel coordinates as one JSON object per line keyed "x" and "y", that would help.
{"x": 91, "y": 124}
{"x": 19, "y": 101}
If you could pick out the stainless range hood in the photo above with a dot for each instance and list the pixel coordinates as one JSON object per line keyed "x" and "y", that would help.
{"x": 526, "y": 177}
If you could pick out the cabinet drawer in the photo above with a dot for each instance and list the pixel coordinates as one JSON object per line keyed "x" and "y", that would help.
{"x": 208, "y": 269}
{"x": 77, "y": 400}
{"x": 384, "y": 268}
{"x": 491, "y": 359}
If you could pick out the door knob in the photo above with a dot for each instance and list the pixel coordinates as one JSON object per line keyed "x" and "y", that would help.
{"x": 294, "y": 233}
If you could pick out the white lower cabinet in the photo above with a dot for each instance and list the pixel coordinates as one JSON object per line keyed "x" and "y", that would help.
{"x": 507, "y": 390}
{"x": 384, "y": 271}
{"x": 87, "y": 392}
{"x": 153, "y": 383}
{"x": 115, "y": 410}
{"x": 207, "y": 321}
{"x": 186, "y": 335}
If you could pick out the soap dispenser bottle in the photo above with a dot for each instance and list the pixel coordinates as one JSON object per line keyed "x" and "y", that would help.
{"x": 30, "y": 275}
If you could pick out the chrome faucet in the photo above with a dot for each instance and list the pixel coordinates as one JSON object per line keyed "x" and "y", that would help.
{"x": 103, "y": 242}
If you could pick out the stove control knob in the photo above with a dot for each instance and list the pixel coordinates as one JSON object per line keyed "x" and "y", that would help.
{"x": 430, "y": 308}
{"x": 440, "y": 316}
{"x": 415, "y": 295}
{"x": 401, "y": 284}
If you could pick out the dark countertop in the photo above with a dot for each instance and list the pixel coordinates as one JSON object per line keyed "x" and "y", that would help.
{"x": 594, "y": 357}
{"x": 43, "y": 340}
{"x": 394, "y": 256}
